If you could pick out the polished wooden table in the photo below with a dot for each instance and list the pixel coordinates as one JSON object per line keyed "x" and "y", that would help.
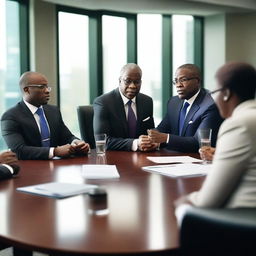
{"x": 136, "y": 218}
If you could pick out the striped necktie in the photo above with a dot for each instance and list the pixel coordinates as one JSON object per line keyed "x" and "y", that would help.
{"x": 45, "y": 133}
{"x": 183, "y": 116}
{"x": 132, "y": 121}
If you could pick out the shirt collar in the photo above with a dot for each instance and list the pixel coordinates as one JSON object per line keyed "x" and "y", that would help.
{"x": 125, "y": 100}
{"x": 192, "y": 99}
{"x": 31, "y": 107}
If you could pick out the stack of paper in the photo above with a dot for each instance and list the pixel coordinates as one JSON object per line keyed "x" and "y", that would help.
{"x": 173, "y": 159}
{"x": 57, "y": 190}
{"x": 100, "y": 171}
{"x": 179, "y": 170}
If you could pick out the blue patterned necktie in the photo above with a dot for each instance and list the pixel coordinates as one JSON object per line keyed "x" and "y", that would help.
{"x": 182, "y": 116}
{"x": 132, "y": 121}
{"x": 45, "y": 133}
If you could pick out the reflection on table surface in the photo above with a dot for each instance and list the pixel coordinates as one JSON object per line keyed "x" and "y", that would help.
{"x": 136, "y": 216}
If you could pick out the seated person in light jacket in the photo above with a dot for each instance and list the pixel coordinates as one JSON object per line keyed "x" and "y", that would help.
{"x": 231, "y": 182}
{"x": 191, "y": 110}
{"x": 34, "y": 130}
{"x": 125, "y": 114}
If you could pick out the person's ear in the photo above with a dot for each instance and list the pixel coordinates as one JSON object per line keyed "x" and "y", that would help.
{"x": 227, "y": 95}
{"x": 25, "y": 89}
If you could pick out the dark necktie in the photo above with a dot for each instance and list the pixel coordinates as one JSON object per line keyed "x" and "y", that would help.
{"x": 132, "y": 122}
{"x": 182, "y": 116}
{"x": 45, "y": 133}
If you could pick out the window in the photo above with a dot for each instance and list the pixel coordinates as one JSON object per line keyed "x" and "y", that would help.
{"x": 73, "y": 66}
{"x": 9, "y": 57}
{"x": 114, "y": 41}
{"x": 150, "y": 59}
{"x": 183, "y": 41}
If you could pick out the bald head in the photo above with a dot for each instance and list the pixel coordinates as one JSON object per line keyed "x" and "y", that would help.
{"x": 192, "y": 68}
{"x": 30, "y": 77}
{"x": 130, "y": 67}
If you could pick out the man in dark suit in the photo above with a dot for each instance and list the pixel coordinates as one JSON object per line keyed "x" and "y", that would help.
{"x": 34, "y": 130}
{"x": 124, "y": 114}
{"x": 181, "y": 133}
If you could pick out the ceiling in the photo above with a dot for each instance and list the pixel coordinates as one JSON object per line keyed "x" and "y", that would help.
{"x": 192, "y": 7}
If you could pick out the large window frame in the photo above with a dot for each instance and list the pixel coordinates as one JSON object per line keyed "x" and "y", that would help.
{"x": 96, "y": 56}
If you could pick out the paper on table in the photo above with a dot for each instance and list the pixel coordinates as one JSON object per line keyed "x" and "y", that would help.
{"x": 100, "y": 171}
{"x": 57, "y": 190}
{"x": 179, "y": 170}
{"x": 173, "y": 159}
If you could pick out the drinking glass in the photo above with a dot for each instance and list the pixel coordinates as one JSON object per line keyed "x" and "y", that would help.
{"x": 100, "y": 140}
{"x": 205, "y": 136}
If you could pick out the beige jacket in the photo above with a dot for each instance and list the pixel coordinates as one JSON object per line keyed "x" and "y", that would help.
{"x": 232, "y": 180}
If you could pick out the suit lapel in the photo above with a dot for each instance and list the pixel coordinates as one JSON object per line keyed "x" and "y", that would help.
{"x": 174, "y": 111}
{"x": 119, "y": 105}
{"x": 194, "y": 108}
{"x": 31, "y": 122}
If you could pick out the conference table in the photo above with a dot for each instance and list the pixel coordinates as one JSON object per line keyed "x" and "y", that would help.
{"x": 135, "y": 218}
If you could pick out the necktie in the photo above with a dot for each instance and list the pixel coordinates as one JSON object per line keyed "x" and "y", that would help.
{"x": 182, "y": 116}
{"x": 45, "y": 133}
{"x": 132, "y": 121}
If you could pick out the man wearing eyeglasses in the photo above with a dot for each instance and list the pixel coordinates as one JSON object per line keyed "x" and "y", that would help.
{"x": 191, "y": 110}
{"x": 34, "y": 130}
{"x": 125, "y": 114}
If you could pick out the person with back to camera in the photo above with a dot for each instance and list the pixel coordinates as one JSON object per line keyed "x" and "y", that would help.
{"x": 231, "y": 181}
{"x": 191, "y": 110}
{"x": 34, "y": 130}
{"x": 125, "y": 114}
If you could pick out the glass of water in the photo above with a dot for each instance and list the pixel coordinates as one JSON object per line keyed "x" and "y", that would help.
{"x": 205, "y": 136}
{"x": 100, "y": 140}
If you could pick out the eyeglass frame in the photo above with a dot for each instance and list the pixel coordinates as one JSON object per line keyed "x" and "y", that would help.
{"x": 218, "y": 90}
{"x": 40, "y": 86}
{"x": 182, "y": 80}
{"x": 129, "y": 81}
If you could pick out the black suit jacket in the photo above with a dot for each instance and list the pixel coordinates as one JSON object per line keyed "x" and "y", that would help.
{"x": 110, "y": 118}
{"x": 22, "y": 135}
{"x": 202, "y": 114}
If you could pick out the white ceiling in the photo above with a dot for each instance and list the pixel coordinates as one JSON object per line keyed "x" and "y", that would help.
{"x": 193, "y": 7}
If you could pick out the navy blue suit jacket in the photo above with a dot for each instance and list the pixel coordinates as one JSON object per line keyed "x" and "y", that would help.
{"x": 202, "y": 114}
{"x": 22, "y": 135}
{"x": 110, "y": 118}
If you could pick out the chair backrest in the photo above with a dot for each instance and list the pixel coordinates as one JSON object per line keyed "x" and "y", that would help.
{"x": 218, "y": 232}
{"x": 85, "y": 119}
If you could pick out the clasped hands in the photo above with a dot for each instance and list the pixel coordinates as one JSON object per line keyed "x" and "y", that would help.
{"x": 151, "y": 141}
{"x": 8, "y": 157}
{"x": 76, "y": 147}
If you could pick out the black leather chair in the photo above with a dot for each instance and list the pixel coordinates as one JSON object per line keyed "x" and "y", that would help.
{"x": 85, "y": 119}
{"x": 218, "y": 232}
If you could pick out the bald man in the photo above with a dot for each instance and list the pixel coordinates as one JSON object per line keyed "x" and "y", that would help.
{"x": 125, "y": 114}
{"x": 35, "y": 130}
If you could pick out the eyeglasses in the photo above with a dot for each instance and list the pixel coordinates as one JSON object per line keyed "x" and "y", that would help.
{"x": 217, "y": 90}
{"x": 41, "y": 86}
{"x": 183, "y": 80}
{"x": 129, "y": 81}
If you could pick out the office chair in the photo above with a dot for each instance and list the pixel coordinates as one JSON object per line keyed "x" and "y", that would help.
{"x": 218, "y": 232}
{"x": 85, "y": 119}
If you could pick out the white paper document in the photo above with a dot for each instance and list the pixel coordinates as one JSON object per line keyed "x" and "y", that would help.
{"x": 173, "y": 159}
{"x": 100, "y": 171}
{"x": 57, "y": 190}
{"x": 179, "y": 170}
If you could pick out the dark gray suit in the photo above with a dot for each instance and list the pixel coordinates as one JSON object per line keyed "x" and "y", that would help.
{"x": 202, "y": 114}
{"x": 22, "y": 135}
{"x": 110, "y": 118}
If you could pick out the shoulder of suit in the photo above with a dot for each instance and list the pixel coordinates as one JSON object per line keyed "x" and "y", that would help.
{"x": 143, "y": 96}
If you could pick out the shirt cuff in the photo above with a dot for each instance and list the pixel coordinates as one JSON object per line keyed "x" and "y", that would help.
{"x": 51, "y": 153}
{"x": 8, "y": 167}
{"x": 168, "y": 136}
{"x": 135, "y": 145}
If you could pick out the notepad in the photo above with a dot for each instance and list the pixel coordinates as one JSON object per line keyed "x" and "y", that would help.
{"x": 100, "y": 171}
{"x": 57, "y": 190}
{"x": 179, "y": 170}
{"x": 173, "y": 159}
